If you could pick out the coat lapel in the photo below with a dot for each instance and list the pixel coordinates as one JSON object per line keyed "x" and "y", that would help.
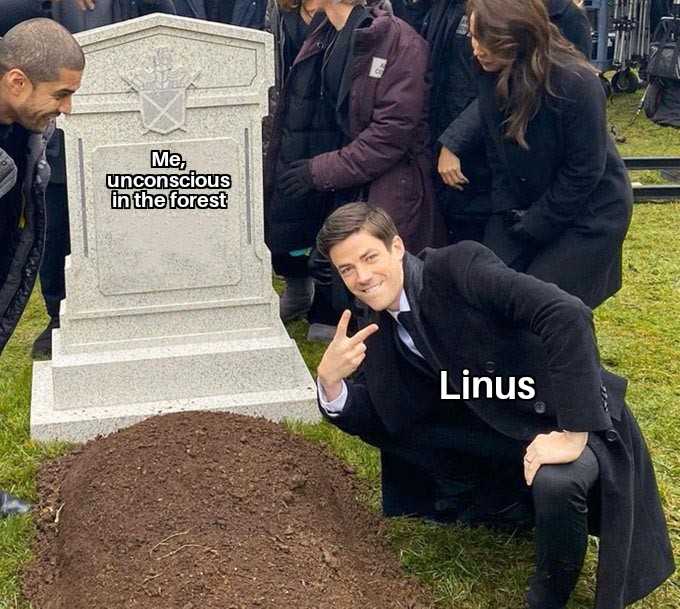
{"x": 431, "y": 312}
{"x": 413, "y": 286}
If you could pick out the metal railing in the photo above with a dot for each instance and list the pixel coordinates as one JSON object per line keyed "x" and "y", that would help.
{"x": 654, "y": 192}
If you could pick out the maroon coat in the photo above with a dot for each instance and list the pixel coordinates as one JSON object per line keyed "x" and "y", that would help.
{"x": 388, "y": 100}
{"x": 385, "y": 90}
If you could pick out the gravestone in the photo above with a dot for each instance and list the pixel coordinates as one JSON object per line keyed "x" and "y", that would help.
{"x": 169, "y": 300}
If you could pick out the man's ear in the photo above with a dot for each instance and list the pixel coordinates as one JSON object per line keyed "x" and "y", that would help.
{"x": 398, "y": 246}
{"x": 17, "y": 82}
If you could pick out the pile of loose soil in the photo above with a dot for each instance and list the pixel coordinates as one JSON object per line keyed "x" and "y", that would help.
{"x": 209, "y": 511}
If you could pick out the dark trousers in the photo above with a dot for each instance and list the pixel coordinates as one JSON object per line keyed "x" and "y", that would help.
{"x": 330, "y": 295}
{"x": 561, "y": 501}
{"x": 57, "y": 247}
{"x": 466, "y": 212}
{"x": 468, "y": 472}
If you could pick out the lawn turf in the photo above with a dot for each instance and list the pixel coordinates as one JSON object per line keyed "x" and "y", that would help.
{"x": 639, "y": 337}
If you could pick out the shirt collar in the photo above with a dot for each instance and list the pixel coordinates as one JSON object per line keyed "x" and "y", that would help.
{"x": 403, "y": 305}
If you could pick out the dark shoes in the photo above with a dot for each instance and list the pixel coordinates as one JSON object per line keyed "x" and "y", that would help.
{"x": 551, "y": 592}
{"x": 11, "y": 505}
{"x": 42, "y": 347}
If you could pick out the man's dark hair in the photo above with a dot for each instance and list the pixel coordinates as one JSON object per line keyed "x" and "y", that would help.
{"x": 40, "y": 48}
{"x": 352, "y": 218}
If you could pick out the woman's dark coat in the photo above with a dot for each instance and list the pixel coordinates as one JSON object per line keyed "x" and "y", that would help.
{"x": 571, "y": 186}
{"x": 477, "y": 314}
{"x": 382, "y": 107}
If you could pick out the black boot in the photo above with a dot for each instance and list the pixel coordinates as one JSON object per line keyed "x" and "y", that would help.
{"x": 297, "y": 298}
{"x": 42, "y": 347}
{"x": 11, "y": 505}
{"x": 546, "y": 592}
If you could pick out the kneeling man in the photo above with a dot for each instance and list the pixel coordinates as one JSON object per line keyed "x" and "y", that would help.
{"x": 482, "y": 388}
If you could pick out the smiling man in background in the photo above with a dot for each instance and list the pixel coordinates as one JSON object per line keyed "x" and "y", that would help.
{"x": 40, "y": 69}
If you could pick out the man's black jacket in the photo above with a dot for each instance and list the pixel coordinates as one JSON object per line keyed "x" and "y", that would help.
{"x": 22, "y": 241}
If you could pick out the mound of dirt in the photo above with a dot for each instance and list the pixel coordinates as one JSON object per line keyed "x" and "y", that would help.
{"x": 209, "y": 511}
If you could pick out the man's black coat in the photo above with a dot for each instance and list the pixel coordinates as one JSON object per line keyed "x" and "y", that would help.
{"x": 22, "y": 233}
{"x": 478, "y": 314}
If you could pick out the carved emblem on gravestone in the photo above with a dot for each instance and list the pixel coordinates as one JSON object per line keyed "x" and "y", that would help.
{"x": 162, "y": 89}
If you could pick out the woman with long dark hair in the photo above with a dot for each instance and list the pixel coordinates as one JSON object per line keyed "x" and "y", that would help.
{"x": 464, "y": 198}
{"x": 561, "y": 197}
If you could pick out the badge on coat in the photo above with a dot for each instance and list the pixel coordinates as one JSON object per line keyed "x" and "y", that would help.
{"x": 463, "y": 28}
{"x": 377, "y": 67}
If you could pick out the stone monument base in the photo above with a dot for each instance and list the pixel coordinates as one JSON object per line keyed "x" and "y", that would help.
{"x": 77, "y": 397}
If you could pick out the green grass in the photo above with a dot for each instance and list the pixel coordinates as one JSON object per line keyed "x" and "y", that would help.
{"x": 639, "y": 335}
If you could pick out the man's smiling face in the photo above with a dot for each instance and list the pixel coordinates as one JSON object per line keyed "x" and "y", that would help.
{"x": 35, "y": 105}
{"x": 370, "y": 270}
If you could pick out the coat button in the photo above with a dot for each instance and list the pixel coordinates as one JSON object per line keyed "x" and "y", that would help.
{"x": 539, "y": 407}
{"x": 605, "y": 405}
{"x": 612, "y": 435}
{"x": 490, "y": 366}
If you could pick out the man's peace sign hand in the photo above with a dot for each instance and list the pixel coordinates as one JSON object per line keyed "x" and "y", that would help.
{"x": 343, "y": 356}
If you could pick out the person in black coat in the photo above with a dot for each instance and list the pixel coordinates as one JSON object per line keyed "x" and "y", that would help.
{"x": 561, "y": 199}
{"x": 40, "y": 68}
{"x": 244, "y": 13}
{"x": 191, "y": 8}
{"x": 13, "y": 12}
{"x": 454, "y": 91}
{"x": 414, "y": 12}
{"x": 483, "y": 390}
{"x": 52, "y": 273}
{"x": 81, "y": 15}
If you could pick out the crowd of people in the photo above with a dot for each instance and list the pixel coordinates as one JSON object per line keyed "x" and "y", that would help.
{"x": 474, "y": 132}
{"x": 401, "y": 112}
{"x": 504, "y": 142}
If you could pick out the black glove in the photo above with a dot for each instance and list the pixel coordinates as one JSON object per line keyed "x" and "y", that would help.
{"x": 296, "y": 180}
{"x": 320, "y": 268}
{"x": 514, "y": 220}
